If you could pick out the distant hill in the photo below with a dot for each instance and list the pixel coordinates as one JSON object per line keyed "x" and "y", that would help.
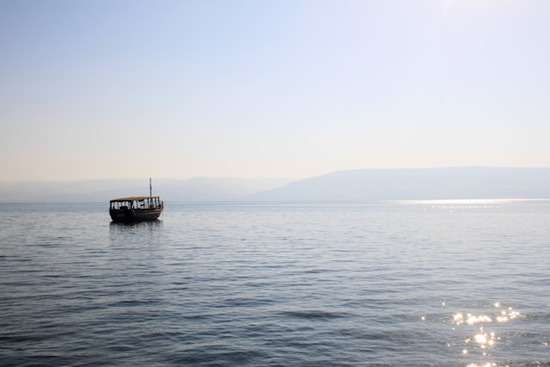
{"x": 429, "y": 183}
{"x": 356, "y": 185}
{"x": 195, "y": 189}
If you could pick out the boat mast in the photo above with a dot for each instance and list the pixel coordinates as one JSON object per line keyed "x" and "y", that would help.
{"x": 150, "y": 191}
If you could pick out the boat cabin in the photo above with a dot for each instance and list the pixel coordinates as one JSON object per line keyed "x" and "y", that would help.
{"x": 136, "y": 202}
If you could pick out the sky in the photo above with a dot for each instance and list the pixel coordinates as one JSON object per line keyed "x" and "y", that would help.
{"x": 177, "y": 89}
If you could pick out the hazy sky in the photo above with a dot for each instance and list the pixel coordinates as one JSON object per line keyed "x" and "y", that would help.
{"x": 119, "y": 89}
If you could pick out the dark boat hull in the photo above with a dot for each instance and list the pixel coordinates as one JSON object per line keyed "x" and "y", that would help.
{"x": 134, "y": 215}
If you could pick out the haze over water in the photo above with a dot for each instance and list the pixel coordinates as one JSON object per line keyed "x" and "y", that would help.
{"x": 241, "y": 112}
{"x": 412, "y": 283}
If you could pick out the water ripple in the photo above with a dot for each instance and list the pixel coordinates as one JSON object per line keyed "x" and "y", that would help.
{"x": 277, "y": 285}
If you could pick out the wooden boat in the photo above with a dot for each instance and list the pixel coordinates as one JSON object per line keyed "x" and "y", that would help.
{"x": 136, "y": 208}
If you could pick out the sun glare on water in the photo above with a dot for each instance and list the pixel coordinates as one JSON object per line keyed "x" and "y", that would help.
{"x": 465, "y": 203}
{"x": 482, "y": 338}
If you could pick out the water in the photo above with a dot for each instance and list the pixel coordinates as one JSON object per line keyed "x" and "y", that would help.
{"x": 381, "y": 284}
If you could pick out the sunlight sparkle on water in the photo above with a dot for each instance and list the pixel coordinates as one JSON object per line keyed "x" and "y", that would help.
{"x": 482, "y": 340}
{"x": 465, "y": 201}
{"x": 459, "y": 319}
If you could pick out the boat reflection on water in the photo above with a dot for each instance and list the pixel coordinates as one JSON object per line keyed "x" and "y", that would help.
{"x": 127, "y": 226}
{"x": 137, "y": 232}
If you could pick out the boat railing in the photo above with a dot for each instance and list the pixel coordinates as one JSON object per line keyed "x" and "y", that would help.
{"x": 141, "y": 203}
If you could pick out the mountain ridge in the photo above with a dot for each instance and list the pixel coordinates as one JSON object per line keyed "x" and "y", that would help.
{"x": 416, "y": 183}
{"x": 193, "y": 189}
{"x": 343, "y": 185}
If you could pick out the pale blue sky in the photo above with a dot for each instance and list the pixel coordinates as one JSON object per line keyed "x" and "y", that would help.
{"x": 120, "y": 89}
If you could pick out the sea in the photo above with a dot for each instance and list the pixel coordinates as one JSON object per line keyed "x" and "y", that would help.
{"x": 398, "y": 283}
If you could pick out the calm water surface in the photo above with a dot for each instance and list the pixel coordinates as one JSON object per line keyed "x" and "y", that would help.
{"x": 445, "y": 283}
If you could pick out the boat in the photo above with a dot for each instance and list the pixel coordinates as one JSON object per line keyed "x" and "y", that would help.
{"x": 136, "y": 208}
